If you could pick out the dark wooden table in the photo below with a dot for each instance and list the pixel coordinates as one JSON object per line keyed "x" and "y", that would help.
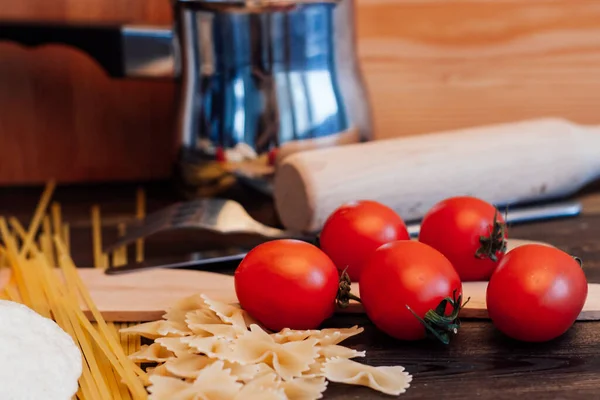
{"x": 479, "y": 363}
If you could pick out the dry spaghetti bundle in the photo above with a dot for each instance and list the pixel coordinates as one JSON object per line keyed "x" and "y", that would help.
{"x": 44, "y": 278}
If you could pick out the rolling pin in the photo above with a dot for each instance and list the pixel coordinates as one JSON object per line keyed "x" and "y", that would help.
{"x": 503, "y": 164}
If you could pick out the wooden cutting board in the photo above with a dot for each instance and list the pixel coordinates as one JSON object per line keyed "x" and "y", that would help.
{"x": 145, "y": 295}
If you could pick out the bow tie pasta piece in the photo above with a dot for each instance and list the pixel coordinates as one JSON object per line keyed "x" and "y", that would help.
{"x": 190, "y": 303}
{"x": 175, "y": 346}
{"x": 190, "y": 366}
{"x": 212, "y": 346}
{"x": 216, "y": 382}
{"x": 337, "y": 351}
{"x": 291, "y": 335}
{"x": 230, "y": 314}
{"x": 177, "y": 319}
{"x": 388, "y": 380}
{"x": 168, "y": 388}
{"x": 305, "y": 388}
{"x": 288, "y": 360}
{"x": 294, "y": 389}
{"x": 155, "y": 329}
{"x": 253, "y": 393}
{"x": 315, "y": 369}
{"x": 336, "y": 336}
{"x": 246, "y": 373}
{"x": 151, "y": 353}
{"x": 187, "y": 367}
{"x": 265, "y": 386}
{"x": 202, "y": 316}
{"x": 222, "y": 331}
{"x": 159, "y": 370}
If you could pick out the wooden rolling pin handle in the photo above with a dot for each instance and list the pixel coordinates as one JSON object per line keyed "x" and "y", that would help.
{"x": 503, "y": 164}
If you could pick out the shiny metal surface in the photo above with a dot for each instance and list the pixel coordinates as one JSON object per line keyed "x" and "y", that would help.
{"x": 185, "y": 261}
{"x": 258, "y": 80}
{"x": 255, "y": 81}
{"x": 251, "y": 5}
{"x": 216, "y": 215}
{"x": 148, "y": 52}
{"x": 541, "y": 212}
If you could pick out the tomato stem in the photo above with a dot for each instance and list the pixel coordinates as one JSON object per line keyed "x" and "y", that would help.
{"x": 579, "y": 261}
{"x": 494, "y": 243}
{"x": 317, "y": 241}
{"x": 344, "y": 295}
{"x": 438, "y": 325}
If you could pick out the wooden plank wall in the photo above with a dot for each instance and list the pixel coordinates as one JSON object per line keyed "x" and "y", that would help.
{"x": 429, "y": 65}
{"x": 440, "y": 64}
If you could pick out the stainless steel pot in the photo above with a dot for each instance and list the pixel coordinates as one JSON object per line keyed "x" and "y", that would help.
{"x": 258, "y": 79}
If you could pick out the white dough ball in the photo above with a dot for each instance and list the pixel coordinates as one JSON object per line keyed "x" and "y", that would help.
{"x": 39, "y": 359}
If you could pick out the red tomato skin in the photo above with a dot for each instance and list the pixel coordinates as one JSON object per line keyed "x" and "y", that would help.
{"x": 454, "y": 227}
{"x": 536, "y": 293}
{"x": 355, "y": 230}
{"x": 287, "y": 284}
{"x": 405, "y": 273}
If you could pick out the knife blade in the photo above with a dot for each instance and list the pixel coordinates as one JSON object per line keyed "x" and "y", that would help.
{"x": 518, "y": 215}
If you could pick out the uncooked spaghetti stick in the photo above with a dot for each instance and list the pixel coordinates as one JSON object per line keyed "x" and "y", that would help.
{"x": 37, "y": 217}
{"x": 140, "y": 214}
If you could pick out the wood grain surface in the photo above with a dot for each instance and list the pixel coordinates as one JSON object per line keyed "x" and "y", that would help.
{"x": 61, "y": 117}
{"x": 508, "y": 163}
{"x": 433, "y": 65}
{"x": 479, "y": 363}
{"x": 146, "y": 295}
{"x": 429, "y": 65}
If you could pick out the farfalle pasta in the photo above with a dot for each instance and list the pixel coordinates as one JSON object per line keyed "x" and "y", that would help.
{"x": 151, "y": 353}
{"x": 305, "y": 388}
{"x": 169, "y": 388}
{"x": 336, "y": 336}
{"x": 337, "y": 351}
{"x": 175, "y": 345}
{"x": 155, "y": 329}
{"x": 289, "y": 360}
{"x": 201, "y": 316}
{"x": 188, "y": 366}
{"x": 389, "y": 380}
{"x": 291, "y": 335}
{"x": 205, "y": 349}
{"x": 230, "y": 314}
{"x": 211, "y": 346}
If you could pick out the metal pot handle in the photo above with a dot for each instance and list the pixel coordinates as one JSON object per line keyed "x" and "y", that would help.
{"x": 122, "y": 51}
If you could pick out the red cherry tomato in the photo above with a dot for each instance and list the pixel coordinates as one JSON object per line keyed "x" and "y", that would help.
{"x": 470, "y": 232}
{"x": 272, "y": 157}
{"x": 220, "y": 155}
{"x": 536, "y": 293}
{"x": 408, "y": 274}
{"x": 357, "y": 229}
{"x": 287, "y": 284}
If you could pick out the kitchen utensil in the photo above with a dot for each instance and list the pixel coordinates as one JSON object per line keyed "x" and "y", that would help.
{"x": 146, "y": 295}
{"x": 228, "y": 216}
{"x": 216, "y": 215}
{"x": 507, "y": 163}
{"x": 253, "y": 75}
